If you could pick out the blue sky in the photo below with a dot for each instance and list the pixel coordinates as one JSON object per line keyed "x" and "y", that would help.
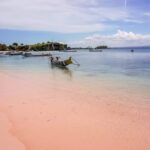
{"x": 76, "y": 22}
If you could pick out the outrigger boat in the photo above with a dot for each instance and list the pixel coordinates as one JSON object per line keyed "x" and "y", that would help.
{"x": 61, "y": 63}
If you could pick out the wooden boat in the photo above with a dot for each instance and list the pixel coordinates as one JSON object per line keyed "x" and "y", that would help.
{"x": 95, "y": 50}
{"x": 13, "y": 53}
{"x": 61, "y": 63}
{"x": 36, "y": 55}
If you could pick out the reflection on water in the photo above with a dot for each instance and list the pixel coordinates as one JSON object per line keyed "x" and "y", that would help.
{"x": 63, "y": 70}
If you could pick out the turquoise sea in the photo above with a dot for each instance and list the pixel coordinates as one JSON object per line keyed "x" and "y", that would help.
{"x": 109, "y": 63}
{"x": 121, "y": 66}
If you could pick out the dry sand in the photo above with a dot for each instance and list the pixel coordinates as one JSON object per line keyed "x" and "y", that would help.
{"x": 37, "y": 113}
{"x": 7, "y": 140}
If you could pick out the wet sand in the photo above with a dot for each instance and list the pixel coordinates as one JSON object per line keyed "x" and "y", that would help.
{"x": 40, "y": 113}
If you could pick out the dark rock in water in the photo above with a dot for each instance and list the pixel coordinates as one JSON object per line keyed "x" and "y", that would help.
{"x": 132, "y": 50}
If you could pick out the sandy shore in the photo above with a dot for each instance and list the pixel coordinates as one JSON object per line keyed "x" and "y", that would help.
{"x": 37, "y": 113}
{"x": 7, "y": 140}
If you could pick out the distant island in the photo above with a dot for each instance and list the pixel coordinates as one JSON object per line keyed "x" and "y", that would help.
{"x": 101, "y": 47}
{"x": 98, "y": 47}
{"x": 49, "y": 46}
{"x": 44, "y": 46}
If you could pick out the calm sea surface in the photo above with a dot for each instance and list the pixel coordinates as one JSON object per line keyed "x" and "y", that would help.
{"x": 112, "y": 61}
{"x": 118, "y": 65}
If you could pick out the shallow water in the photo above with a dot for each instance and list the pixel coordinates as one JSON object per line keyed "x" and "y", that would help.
{"x": 112, "y": 65}
{"x": 110, "y": 61}
{"x": 113, "y": 68}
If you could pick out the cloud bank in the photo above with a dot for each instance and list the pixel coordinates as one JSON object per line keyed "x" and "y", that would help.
{"x": 121, "y": 38}
{"x": 63, "y": 16}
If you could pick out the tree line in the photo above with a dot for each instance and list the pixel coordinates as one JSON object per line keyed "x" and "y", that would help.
{"x": 35, "y": 47}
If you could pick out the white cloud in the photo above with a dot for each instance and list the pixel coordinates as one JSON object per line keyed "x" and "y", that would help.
{"x": 57, "y": 16}
{"x": 147, "y": 14}
{"x": 121, "y": 38}
{"x": 65, "y": 16}
{"x": 134, "y": 21}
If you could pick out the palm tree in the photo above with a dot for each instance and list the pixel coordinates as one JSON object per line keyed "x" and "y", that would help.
{"x": 15, "y": 45}
{"x": 48, "y": 43}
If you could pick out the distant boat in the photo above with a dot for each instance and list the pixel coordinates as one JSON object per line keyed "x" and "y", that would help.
{"x": 13, "y": 53}
{"x": 36, "y": 55}
{"x": 7, "y": 53}
{"x": 95, "y": 50}
{"x": 68, "y": 50}
{"x": 2, "y": 54}
{"x": 132, "y": 50}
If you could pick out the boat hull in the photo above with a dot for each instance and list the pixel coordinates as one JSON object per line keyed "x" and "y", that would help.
{"x": 59, "y": 63}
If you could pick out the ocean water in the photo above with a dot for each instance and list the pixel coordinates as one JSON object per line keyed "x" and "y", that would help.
{"x": 109, "y": 64}
{"x": 115, "y": 65}
{"x": 119, "y": 68}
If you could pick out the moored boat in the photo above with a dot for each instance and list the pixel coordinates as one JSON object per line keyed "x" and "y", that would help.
{"x": 13, "y": 53}
{"x": 36, "y": 55}
{"x": 95, "y": 50}
{"x": 68, "y": 51}
{"x": 61, "y": 63}
{"x": 2, "y": 54}
{"x": 16, "y": 53}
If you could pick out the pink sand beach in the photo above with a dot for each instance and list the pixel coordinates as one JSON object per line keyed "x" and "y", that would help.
{"x": 40, "y": 113}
